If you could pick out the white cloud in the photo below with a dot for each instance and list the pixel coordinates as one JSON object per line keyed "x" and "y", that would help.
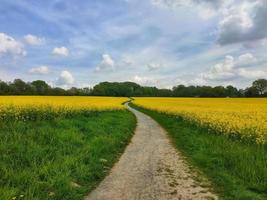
{"x": 225, "y": 66}
{"x": 127, "y": 62}
{"x": 252, "y": 74}
{"x": 8, "y": 45}
{"x": 205, "y": 8}
{"x": 153, "y": 66}
{"x": 65, "y": 78}
{"x": 40, "y": 70}
{"x": 246, "y": 59}
{"x": 220, "y": 71}
{"x": 238, "y": 15}
{"x": 34, "y": 40}
{"x": 242, "y": 22}
{"x": 177, "y": 3}
{"x": 171, "y": 3}
{"x": 60, "y": 51}
{"x": 121, "y": 31}
{"x": 107, "y": 64}
{"x": 142, "y": 80}
{"x": 197, "y": 81}
{"x": 213, "y": 3}
{"x": 232, "y": 68}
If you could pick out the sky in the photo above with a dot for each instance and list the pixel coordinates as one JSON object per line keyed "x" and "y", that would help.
{"x": 159, "y": 43}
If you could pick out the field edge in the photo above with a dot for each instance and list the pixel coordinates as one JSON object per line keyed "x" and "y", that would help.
{"x": 63, "y": 158}
{"x": 217, "y": 165}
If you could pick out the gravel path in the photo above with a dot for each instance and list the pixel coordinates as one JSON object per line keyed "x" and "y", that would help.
{"x": 151, "y": 168}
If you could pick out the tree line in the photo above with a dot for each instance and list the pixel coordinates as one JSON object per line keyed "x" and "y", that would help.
{"x": 128, "y": 89}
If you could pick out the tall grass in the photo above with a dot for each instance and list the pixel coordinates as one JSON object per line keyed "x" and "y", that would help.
{"x": 64, "y": 157}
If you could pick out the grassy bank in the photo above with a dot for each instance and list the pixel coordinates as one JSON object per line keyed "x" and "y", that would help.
{"x": 63, "y": 158}
{"x": 237, "y": 170}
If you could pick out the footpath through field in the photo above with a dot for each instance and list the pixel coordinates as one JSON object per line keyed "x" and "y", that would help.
{"x": 151, "y": 168}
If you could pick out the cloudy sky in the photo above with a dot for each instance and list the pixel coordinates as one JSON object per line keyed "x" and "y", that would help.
{"x": 151, "y": 42}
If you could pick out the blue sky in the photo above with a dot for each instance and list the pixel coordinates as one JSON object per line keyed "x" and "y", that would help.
{"x": 152, "y": 42}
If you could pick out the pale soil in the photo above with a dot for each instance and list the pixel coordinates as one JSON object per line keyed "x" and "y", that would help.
{"x": 151, "y": 168}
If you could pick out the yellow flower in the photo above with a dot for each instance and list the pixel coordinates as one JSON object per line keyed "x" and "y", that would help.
{"x": 246, "y": 118}
{"x": 32, "y": 107}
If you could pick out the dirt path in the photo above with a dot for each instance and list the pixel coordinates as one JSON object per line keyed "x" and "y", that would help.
{"x": 151, "y": 168}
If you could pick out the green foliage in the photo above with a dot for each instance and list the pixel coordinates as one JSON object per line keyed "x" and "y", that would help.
{"x": 261, "y": 86}
{"x": 128, "y": 89}
{"x": 206, "y": 91}
{"x": 125, "y": 89}
{"x": 238, "y": 170}
{"x": 41, "y": 87}
{"x": 63, "y": 158}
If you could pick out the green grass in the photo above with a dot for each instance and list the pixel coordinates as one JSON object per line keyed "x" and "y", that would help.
{"x": 238, "y": 170}
{"x": 62, "y": 158}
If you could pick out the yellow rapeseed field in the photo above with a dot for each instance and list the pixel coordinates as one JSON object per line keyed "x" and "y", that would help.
{"x": 73, "y": 102}
{"x": 246, "y": 118}
{"x": 31, "y": 107}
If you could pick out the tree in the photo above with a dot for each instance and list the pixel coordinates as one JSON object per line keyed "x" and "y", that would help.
{"x": 19, "y": 87}
{"x": 74, "y": 91}
{"x": 205, "y": 91}
{"x": 179, "y": 91}
{"x": 232, "y": 91}
{"x": 130, "y": 89}
{"x": 86, "y": 91}
{"x": 124, "y": 89}
{"x": 42, "y": 88}
{"x": 251, "y": 92}
{"x": 57, "y": 92}
{"x": 4, "y": 88}
{"x": 219, "y": 91}
{"x": 261, "y": 86}
{"x": 164, "y": 93}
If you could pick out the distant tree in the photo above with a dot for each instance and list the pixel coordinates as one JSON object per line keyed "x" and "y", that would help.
{"x": 192, "y": 91}
{"x": 251, "y": 92}
{"x": 179, "y": 91}
{"x": 73, "y": 91}
{"x": 130, "y": 89}
{"x": 41, "y": 87}
{"x": 4, "y": 88}
{"x": 86, "y": 91}
{"x": 241, "y": 93}
{"x": 19, "y": 87}
{"x": 124, "y": 89}
{"x": 261, "y": 86}
{"x": 232, "y": 91}
{"x": 219, "y": 91}
{"x": 205, "y": 91}
{"x": 57, "y": 92}
{"x": 164, "y": 93}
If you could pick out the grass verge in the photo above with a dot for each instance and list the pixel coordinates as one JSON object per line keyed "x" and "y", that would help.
{"x": 237, "y": 170}
{"x": 63, "y": 158}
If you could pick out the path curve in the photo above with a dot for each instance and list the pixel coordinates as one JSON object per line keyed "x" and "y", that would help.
{"x": 151, "y": 169}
